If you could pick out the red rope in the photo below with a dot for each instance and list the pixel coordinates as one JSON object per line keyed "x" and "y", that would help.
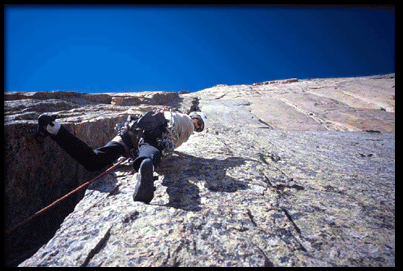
{"x": 65, "y": 196}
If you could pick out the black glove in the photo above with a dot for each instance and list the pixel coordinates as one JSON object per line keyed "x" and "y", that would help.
{"x": 43, "y": 121}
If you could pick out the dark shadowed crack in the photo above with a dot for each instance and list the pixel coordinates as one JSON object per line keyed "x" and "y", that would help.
{"x": 291, "y": 220}
{"x": 267, "y": 262}
{"x": 251, "y": 217}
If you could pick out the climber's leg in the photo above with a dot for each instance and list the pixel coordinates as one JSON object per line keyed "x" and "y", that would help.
{"x": 149, "y": 158}
{"x": 147, "y": 149}
{"x": 144, "y": 189}
{"x": 83, "y": 154}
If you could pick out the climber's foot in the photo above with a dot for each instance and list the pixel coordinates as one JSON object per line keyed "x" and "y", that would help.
{"x": 144, "y": 189}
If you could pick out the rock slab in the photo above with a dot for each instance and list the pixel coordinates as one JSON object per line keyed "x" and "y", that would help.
{"x": 242, "y": 194}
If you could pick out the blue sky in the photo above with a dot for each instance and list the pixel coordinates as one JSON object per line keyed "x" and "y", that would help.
{"x": 124, "y": 49}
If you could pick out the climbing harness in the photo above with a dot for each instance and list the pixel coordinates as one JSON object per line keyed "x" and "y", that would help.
{"x": 152, "y": 125}
{"x": 65, "y": 196}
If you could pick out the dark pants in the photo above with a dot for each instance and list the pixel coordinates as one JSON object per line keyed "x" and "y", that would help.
{"x": 94, "y": 160}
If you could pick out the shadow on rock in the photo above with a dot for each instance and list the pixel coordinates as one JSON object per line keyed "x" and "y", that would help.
{"x": 181, "y": 171}
{"x": 106, "y": 184}
{"x": 109, "y": 182}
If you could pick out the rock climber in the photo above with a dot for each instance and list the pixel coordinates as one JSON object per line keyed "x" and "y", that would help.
{"x": 149, "y": 137}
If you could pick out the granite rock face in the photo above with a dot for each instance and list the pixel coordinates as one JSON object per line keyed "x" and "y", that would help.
{"x": 38, "y": 171}
{"x": 329, "y": 104}
{"x": 248, "y": 191}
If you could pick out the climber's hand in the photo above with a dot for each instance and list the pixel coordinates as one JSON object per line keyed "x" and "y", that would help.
{"x": 43, "y": 121}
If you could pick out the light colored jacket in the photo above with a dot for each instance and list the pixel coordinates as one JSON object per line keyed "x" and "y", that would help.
{"x": 180, "y": 127}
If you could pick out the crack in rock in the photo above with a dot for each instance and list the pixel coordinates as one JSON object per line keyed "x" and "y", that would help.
{"x": 98, "y": 246}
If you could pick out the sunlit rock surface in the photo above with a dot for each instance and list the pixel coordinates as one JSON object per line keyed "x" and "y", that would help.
{"x": 289, "y": 173}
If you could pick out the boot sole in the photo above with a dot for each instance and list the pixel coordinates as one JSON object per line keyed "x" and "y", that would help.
{"x": 144, "y": 190}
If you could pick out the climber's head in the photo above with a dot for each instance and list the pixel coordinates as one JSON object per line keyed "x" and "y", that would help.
{"x": 199, "y": 121}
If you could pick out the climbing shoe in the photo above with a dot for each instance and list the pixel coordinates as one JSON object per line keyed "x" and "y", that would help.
{"x": 47, "y": 125}
{"x": 144, "y": 189}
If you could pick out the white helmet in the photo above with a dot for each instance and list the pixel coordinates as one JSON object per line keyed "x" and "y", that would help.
{"x": 202, "y": 116}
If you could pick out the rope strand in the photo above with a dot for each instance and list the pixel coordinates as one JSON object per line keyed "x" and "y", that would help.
{"x": 65, "y": 196}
